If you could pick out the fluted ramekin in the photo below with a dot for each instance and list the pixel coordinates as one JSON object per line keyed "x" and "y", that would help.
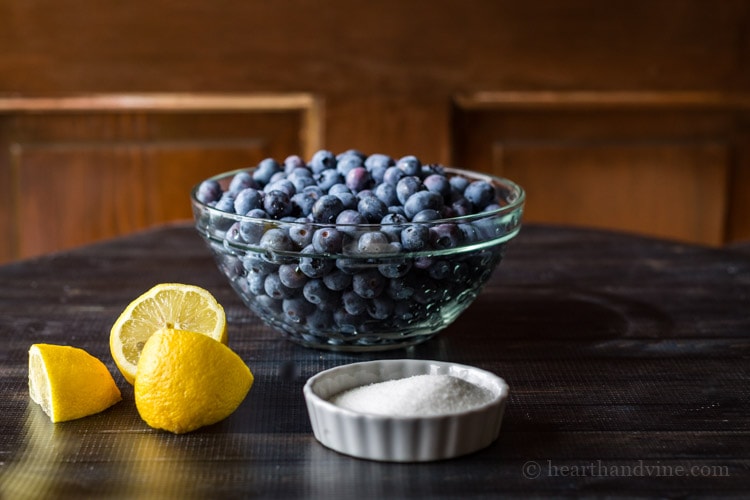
{"x": 400, "y": 438}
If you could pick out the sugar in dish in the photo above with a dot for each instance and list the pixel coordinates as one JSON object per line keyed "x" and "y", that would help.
{"x": 405, "y": 410}
{"x": 418, "y": 395}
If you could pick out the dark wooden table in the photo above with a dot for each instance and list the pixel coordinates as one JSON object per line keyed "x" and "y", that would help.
{"x": 628, "y": 360}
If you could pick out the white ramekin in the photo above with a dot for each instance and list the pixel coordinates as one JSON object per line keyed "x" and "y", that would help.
{"x": 399, "y": 438}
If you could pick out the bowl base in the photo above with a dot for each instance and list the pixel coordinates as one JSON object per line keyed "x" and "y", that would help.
{"x": 364, "y": 347}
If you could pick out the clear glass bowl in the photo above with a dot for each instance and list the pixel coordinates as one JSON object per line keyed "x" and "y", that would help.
{"x": 409, "y": 296}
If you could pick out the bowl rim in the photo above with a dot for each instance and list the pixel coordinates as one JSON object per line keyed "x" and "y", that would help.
{"x": 516, "y": 203}
{"x": 311, "y": 396}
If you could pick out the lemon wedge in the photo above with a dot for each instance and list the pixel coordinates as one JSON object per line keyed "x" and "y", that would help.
{"x": 69, "y": 383}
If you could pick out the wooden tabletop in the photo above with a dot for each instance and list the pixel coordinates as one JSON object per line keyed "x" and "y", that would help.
{"x": 628, "y": 361}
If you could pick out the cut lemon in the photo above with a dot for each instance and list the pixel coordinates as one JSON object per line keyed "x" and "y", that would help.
{"x": 167, "y": 305}
{"x": 69, "y": 383}
{"x": 187, "y": 380}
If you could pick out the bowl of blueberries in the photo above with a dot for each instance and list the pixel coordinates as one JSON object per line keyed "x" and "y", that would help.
{"x": 356, "y": 252}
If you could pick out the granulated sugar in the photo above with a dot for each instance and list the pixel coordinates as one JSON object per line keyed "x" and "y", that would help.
{"x": 419, "y": 395}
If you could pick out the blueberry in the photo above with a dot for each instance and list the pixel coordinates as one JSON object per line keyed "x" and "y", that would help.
{"x": 407, "y": 187}
{"x": 397, "y": 209}
{"x": 252, "y": 230}
{"x": 314, "y": 267}
{"x": 372, "y": 209}
{"x": 225, "y": 203}
{"x": 297, "y": 309}
{"x": 446, "y": 235}
{"x": 347, "y": 221}
{"x": 208, "y": 192}
{"x": 291, "y": 275}
{"x": 386, "y": 193}
{"x": 233, "y": 234}
{"x": 320, "y": 321}
{"x": 316, "y": 292}
{"x": 268, "y": 305}
{"x": 256, "y": 283}
{"x": 439, "y": 184}
{"x": 300, "y": 182}
{"x": 374, "y": 242}
{"x": 326, "y": 209}
{"x": 439, "y": 270}
{"x": 240, "y": 181}
{"x": 376, "y": 174}
{"x": 276, "y": 289}
{"x": 377, "y": 160}
{"x": 354, "y": 304}
{"x": 368, "y": 284}
{"x": 469, "y": 233}
{"x": 422, "y": 200}
{"x": 347, "y": 322}
{"x": 337, "y": 280}
{"x": 327, "y": 240}
{"x": 248, "y": 199}
{"x": 415, "y": 238}
{"x": 265, "y": 170}
{"x": 302, "y": 203}
{"x": 348, "y": 162}
{"x": 327, "y": 179}
{"x": 480, "y": 194}
{"x": 315, "y": 191}
{"x": 432, "y": 169}
{"x": 348, "y": 200}
{"x": 301, "y": 234}
{"x": 401, "y": 289}
{"x": 392, "y": 224}
{"x": 338, "y": 189}
{"x": 255, "y": 263}
{"x": 392, "y": 175}
{"x": 276, "y": 240}
{"x": 461, "y": 206}
{"x": 284, "y": 185}
{"x": 278, "y": 176}
{"x": 380, "y": 308}
{"x": 396, "y": 268}
{"x": 426, "y": 216}
{"x": 355, "y": 152}
{"x": 458, "y": 184}
{"x": 410, "y": 165}
{"x": 293, "y": 162}
{"x": 358, "y": 179}
{"x": 322, "y": 160}
{"x": 277, "y": 204}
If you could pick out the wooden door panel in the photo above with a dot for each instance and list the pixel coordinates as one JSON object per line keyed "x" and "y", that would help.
{"x": 74, "y": 194}
{"x": 674, "y": 190}
{"x": 662, "y": 164}
{"x": 80, "y": 170}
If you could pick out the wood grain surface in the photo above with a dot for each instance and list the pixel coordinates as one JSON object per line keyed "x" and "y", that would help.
{"x": 627, "y": 359}
{"x": 642, "y": 103}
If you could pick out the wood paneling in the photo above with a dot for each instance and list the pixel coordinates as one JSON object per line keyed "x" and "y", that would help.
{"x": 655, "y": 163}
{"x": 633, "y": 83}
{"x": 82, "y": 169}
{"x": 668, "y": 190}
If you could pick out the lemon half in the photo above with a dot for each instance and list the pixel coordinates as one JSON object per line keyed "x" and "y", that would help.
{"x": 187, "y": 380}
{"x": 167, "y": 305}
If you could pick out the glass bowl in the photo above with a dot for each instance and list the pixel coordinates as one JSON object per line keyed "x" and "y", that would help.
{"x": 364, "y": 296}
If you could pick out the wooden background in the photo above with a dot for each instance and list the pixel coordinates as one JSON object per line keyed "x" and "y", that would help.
{"x": 631, "y": 115}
